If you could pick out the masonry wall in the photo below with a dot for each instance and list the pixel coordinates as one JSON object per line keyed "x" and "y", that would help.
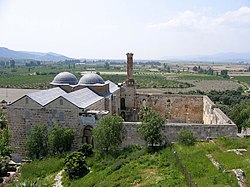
{"x": 22, "y": 117}
{"x": 213, "y": 115}
{"x": 173, "y": 107}
{"x": 171, "y": 131}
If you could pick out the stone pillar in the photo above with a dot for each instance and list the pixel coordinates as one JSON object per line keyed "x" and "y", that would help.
{"x": 129, "y": 66}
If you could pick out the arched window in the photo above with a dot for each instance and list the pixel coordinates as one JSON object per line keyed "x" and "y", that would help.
{"x": 123, "y": 104}
{"x": 61, "y": 102}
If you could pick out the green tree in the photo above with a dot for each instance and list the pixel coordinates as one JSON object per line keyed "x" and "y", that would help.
{"x": 108, "y": 132}
{"x": 3, "y": 120}
{"x": 86, "y": 149}
{"x": 5, "y": 149}
{"x": 75, "y": 165}
{"x": 186, "y": 137}
{"x": 60, "y": 139}
{"x": 224, "y": 73}
{"x": 152, "y": 126}
{"x": 240, "y": 114}
{"x": 37, "y": 142}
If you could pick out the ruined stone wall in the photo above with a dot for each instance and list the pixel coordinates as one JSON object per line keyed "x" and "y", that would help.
{"x": 171, "y": 131}
{"x": 174, "y": 108}
{"x": 213, "y": 115}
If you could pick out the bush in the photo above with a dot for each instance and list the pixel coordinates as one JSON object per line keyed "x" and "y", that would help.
{"x": 86, "y": 149}
{"x": 186, "y": 137}
{"x": 60, "y": 140}
{"x": 37, "y": 142}
{"x": 75, "y": 165}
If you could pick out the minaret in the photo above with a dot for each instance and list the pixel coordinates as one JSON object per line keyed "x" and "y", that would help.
{"x": 130, "y": 80}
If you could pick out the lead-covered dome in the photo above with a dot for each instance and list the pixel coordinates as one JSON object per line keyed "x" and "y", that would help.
{"x": 91, "y": 78}
{"x": 65, "y": 78}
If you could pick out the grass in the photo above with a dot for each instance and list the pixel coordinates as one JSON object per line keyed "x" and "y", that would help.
{"x": 135, "y": 168}
{"x": 40, "y": 171}
{"x": 202, "y": 170}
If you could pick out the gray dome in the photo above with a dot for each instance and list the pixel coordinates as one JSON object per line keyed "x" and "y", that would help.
{"x": 91, "y": 78}
{"x": 64, "y": 78}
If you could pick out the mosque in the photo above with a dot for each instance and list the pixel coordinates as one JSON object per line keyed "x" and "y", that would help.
{"x": 80, "y": 104}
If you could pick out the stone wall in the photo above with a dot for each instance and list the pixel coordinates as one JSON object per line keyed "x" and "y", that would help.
{"x": 175, "y": 108}
{"x": 171, "y": 131}
{"x": 22, "y": 117}
{"x": 213, "y": 115}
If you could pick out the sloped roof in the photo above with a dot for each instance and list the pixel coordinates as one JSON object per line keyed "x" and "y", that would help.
{"x": 82, "y": 98}
{"x": 112, "y": 86}
{"x": 45, "y": 96}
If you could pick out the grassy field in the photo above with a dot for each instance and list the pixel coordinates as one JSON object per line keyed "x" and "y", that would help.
{"x": 201, "y": 168}
{"x": 136, "y": 167}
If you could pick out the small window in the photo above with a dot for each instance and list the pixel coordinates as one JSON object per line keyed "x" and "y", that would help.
{"x": 27, "y": 100}
{"x": 61, "y": 102}
{"x": 61, "y": 116}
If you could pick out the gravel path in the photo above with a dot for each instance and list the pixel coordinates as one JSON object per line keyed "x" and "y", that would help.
{"x": 58, "y": 179}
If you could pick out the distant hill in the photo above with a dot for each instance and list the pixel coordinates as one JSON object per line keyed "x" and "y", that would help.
{"x": 219, "y": 57}
{"x": 6, "y": 53}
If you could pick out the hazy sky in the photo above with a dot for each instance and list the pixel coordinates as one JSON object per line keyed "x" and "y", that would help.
{"x": 151, "y": 29}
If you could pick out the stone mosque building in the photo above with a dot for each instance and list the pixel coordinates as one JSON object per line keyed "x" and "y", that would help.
{"x": 80, "y": 104}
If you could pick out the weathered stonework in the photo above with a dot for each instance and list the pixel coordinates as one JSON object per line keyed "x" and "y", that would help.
{"x": 171, "y": 130}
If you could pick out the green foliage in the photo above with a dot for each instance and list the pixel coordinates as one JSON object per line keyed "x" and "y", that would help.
{"x": 186, "y": 137}
{"x": 40, "y": 142}
{"x": 75, "y": 165}
{"x": 3, "y": 120}
{"x": 108, "y": 132}
{"x": 40, "y": 172}
{"x": 86, "y": 149}
{"x": 60, "y": 139}
{"x": 132, "y": 167}
{"x": 152, "y": 126}
{"x": 37, "y": 142}
{"x": 240, "y": 114}
{"x": 4, "y": 160}
{"x": 5, "y": 149}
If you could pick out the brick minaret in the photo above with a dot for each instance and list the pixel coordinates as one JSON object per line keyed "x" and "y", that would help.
{"x": 130, "y": 80}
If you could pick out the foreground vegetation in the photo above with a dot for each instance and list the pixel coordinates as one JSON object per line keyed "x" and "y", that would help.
{"x": 134, "y": 166}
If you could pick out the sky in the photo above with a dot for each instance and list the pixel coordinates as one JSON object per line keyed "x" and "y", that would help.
{"x": 151, "y": 29}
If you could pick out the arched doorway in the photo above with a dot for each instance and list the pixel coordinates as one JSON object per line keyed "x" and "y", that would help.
{"x": 87, "y": 135}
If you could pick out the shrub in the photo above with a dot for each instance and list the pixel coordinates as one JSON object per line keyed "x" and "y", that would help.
{"x": 86, "y": 149}
{"x": 186, "y": 137}
{"x": 75, "y": 165}
{"x": 60, "y": 139}
{"x": 37, "y": 142}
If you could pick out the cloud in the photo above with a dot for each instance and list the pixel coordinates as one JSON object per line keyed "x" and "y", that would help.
{"x": 189, "y": 20}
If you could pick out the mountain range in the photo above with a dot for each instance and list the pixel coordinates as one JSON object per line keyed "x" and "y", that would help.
{"x": 6, "y": 53}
